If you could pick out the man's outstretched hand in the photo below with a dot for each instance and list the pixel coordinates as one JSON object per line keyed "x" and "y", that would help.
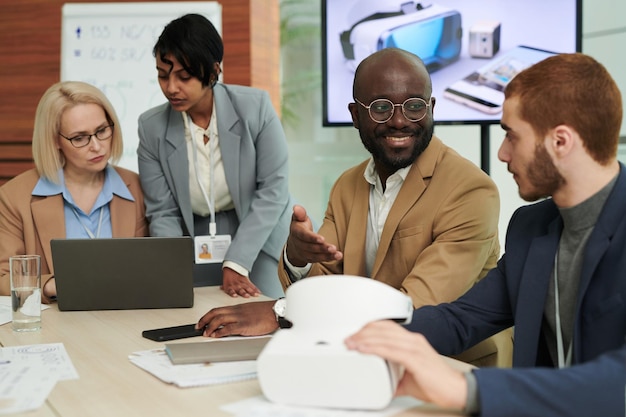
{"x": 304, "y": 246}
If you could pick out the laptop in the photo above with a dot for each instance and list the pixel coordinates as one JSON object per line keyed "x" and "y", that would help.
{"x": 123, "y": 273}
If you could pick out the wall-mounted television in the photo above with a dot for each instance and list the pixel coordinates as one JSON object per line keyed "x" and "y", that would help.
{"x": 471, "y": 48}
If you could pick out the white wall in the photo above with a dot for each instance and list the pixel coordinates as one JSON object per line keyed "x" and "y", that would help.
{"x": 319, "y": 154}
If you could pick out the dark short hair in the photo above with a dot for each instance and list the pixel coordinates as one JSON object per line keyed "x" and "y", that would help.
{"x": 195, "y": 43}
{"x": 573, "y": 90}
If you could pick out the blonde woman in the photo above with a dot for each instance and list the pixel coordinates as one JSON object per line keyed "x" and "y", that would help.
{"x": 74, "y": 191}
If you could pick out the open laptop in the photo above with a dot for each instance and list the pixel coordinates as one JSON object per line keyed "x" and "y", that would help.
{"x": 123, "y": 273}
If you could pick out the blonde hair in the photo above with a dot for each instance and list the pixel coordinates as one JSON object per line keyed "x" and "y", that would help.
{"x": 53, "y": 104}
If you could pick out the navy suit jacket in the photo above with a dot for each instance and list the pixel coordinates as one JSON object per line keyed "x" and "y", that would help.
{"x": 514, "y": 293}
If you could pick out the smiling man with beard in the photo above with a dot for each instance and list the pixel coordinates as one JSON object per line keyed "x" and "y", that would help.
{"x": 416, "y": 215}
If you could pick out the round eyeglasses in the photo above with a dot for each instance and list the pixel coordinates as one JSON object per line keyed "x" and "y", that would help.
{"x": 80, "y": 141}
{"x": 381, "y": 110}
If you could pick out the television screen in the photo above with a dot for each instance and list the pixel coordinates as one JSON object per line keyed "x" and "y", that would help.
{"x": 472, "y": 48}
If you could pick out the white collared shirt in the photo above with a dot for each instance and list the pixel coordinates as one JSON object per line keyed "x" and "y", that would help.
{"x": 223, "y": 199}
{"x": 380, "y": 204}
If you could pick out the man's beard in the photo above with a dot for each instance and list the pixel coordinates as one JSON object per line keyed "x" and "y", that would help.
{"x": 396, "y": 162}
{"x": 542, "y": 175}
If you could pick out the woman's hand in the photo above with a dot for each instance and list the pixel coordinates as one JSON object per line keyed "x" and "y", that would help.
{"x": 50, "y": 288}
{"x": 237, "y": 285}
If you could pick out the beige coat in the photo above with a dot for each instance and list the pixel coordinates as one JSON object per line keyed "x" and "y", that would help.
{"x": 28, "y": 223}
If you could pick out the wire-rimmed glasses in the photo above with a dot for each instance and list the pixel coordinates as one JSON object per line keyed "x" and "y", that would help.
{"x": 381, "y": 110}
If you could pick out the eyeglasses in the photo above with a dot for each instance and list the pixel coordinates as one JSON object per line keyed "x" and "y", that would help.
{"x": 80, "y": 141}
{"x": 381, "y": 110}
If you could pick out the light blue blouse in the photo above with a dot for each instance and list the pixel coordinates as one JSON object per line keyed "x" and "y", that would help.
{"x": 78, "y": 224}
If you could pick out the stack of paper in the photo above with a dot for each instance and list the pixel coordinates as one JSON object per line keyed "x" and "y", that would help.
{"x": 158, "y": 364}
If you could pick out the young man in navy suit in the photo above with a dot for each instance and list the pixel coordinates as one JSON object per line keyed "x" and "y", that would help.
{"x": 562, "y": 280}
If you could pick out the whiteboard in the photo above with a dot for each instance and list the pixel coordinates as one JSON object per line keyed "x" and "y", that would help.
{"x": 110, "y": 46}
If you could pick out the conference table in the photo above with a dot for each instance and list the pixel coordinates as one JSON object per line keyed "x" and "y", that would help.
{"x": 99, "y": 343}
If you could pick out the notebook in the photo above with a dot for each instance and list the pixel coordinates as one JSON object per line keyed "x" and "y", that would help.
{"x": 123, "y": 273}
{"x": 220, "y": 350}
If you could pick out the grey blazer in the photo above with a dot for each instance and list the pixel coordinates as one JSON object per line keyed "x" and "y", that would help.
{"x": 254, "y": 151}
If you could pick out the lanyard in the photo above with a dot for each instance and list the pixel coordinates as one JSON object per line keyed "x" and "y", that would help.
{"x": 562, "y": 360}
{"x": 210, "y": 200}
{"x": 89, "y": 232}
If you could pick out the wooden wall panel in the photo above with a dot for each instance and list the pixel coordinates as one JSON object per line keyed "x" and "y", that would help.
{"x": 30, "y": 47}
{"x": 30, "y": 36}
{"x": 264, "y": 56}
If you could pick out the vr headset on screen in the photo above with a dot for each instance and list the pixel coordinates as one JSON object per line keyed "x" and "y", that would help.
{"x": 430, "y": 31}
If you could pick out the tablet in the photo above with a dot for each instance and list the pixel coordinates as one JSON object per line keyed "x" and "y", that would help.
{"x": 217, "y": 350}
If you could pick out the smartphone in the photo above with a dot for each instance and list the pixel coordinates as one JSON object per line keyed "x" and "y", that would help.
{"x": 483, "y": 89}
{"x": 172, "y": 333}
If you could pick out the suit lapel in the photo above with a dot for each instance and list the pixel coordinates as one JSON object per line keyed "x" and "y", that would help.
{"x": 229, "y": 141}
{"x": 533, "y": 290}
{"x": 412, "y": 188}
{"x": 123, "y": 217}
{"x": 611, "y": 215}
{"x": 178, "y": 165}
{"x": 411, "y": 191}
{"x": 354, "y": 252}
{"x": 49, "y": 219}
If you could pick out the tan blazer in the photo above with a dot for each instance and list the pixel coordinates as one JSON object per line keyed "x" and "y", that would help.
{"x": 28, "y": 223}
{"x": 440, "y": 237}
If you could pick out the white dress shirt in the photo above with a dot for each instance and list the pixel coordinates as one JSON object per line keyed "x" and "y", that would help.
{"x": 194, "y": 136}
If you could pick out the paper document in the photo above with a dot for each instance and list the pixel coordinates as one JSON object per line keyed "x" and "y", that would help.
{"x": 28, "y": 374}
{"x": 157, "y": 363}
{"x": 50, "y": 357}
{"x": 23, "y": 387}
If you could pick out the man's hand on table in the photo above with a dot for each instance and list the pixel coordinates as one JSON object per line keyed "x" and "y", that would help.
{"x": 248, "y": 319}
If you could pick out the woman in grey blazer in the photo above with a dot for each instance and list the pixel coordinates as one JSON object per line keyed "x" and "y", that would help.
{"x": 213, "y": 162}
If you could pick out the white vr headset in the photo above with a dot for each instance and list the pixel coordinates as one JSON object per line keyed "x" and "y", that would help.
{"x": 309, "y": 364}
{"x": 430, "y": 31}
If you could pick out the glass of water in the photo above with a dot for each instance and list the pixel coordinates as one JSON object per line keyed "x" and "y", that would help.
{"x": 25, "y": 292}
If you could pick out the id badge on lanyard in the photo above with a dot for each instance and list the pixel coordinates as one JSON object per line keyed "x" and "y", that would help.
{"x": 211, "y": 249}
{"x": 208, "y": 248}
